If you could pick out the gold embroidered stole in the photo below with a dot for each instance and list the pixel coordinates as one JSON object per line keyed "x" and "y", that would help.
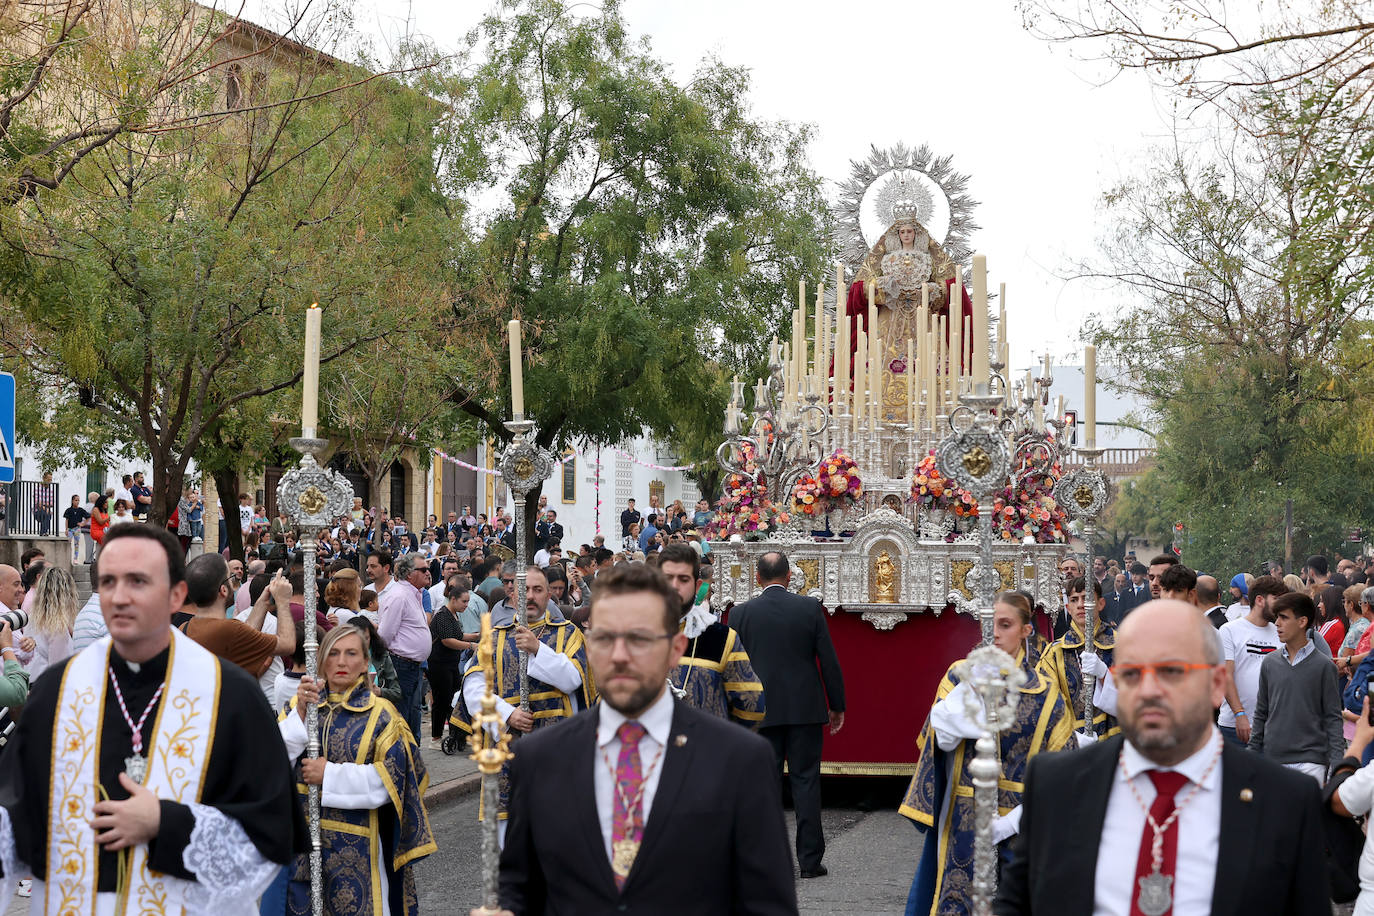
{"x": 178, "y": 753}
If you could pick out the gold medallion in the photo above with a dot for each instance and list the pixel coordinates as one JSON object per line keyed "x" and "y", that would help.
{"x": 977, "y": 461}
{"x": 312, "y": 500}
{"x": 623, "y": 854}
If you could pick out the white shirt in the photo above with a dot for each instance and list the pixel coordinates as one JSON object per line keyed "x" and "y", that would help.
{"x": 1237, "y": 611}
{"x": 1245, "y": 645}
{"x": 541, "y": 558}
{"x": 1357, "y": 794}
{"x": 658, "y": 722}
{"x": 1199, "y": 833}
{"x": 436, "y": 594}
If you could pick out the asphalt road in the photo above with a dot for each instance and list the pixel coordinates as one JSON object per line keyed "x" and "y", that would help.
{"x": 871, "y": 855}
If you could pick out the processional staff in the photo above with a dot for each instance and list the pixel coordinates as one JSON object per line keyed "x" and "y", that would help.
{"x": 523, "y": 465}
{"x": 490, "y": 752}
{"x": 312, "y": 497}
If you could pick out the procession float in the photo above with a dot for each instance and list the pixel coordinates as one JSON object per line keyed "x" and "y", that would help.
{"x": 890, "y": 457}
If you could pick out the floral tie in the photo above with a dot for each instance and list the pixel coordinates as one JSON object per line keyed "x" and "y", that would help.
{"x": 627, "y": 826}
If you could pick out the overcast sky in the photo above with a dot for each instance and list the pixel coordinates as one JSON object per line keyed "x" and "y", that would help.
{"x": 1035, "y": 130}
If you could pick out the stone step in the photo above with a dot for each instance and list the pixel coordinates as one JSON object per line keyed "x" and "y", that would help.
{"x": 81, "y": 572}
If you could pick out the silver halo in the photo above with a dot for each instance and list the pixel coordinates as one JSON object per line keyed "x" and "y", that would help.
{"x": 849, "y": 236}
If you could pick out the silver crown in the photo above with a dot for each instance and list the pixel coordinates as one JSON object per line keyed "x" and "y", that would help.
{"x": 901, "y": 200}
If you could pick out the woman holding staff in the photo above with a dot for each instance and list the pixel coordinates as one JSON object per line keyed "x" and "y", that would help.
{"x": 373, "y": 819}
{"x": 940, "y": 798}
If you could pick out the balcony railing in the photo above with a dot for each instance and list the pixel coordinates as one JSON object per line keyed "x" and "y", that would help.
{"x": 31, "y": 508}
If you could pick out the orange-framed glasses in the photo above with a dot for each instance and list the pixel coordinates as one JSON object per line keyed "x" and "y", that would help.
{"x": 1168, "y": 673}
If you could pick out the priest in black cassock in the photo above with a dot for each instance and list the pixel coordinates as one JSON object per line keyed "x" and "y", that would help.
{"x": 143, "y": 774}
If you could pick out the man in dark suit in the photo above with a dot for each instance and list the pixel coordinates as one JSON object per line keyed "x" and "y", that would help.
{"x": 643, "y": 804}
{"x": 1209, "y": 600}
{"x": 1137, "y": 590}
{"x": 1247, "y": 834}
{"x": 786, "y": 636}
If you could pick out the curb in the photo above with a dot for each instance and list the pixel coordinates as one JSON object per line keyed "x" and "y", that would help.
{"x": 452, "y": 790}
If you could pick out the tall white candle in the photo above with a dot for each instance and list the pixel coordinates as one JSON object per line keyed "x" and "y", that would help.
{"x": 310, "y": 380}
{"x": 980, "y": 320}
{"x": 517, "y": 372}
{"x": 1090, "y": 396}
{"x": 860, "y": 379}
{"x": 956, "y": 330}
{"x": 875, "y": 371}
{"x": 842, "y": 358}
{"x": 1002, "y": 317}
{"x": 942, "y": 370}
{"x": 818, "y": 369}
{"x": 911, "y": 383}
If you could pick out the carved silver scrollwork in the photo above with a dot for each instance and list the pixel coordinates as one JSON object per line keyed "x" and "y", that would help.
{"x": 1083, "y": 492}
{"x": 976, "y": 459}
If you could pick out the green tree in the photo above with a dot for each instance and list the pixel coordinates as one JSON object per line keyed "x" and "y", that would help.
{"x": 1251, "y": 260}
{"x": 646, "y": 232}
{"x": 161, "y": 288}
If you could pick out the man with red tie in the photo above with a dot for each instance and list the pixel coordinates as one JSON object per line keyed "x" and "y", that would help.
{"x": 643, "y": 804}
{"x": 1166, "y": 819}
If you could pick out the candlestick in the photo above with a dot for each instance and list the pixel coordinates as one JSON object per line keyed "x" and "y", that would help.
{"x": 1047, "y": 365}
{"x": 310, "y": 380}
{"x": 1002, "y": 337}
{"x": 911, "y": 417}
{"x": 773, "y": 351}
{"x": 818, "y": 369}
{"x": 931, "y": 365}
{"x": 860, "y": 380}
{"x": 517, "y": 373}
{"x": 875, "y": 380}
{"x": 954, "y": 342}
{"x": 979, "y": 334}
{"x": 1090, "y": 396}
{"x": 760, "y": 396}
{"x": 942, "y": 364}
{"x": 872, "y": 311}
{"x": 842, "y": 355}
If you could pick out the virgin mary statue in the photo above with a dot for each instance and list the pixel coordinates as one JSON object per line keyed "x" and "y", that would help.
{"x": 905, "y": 266}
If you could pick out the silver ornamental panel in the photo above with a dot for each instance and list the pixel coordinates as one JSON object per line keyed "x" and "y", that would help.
{"x": 312, "y": 496}
{"x": 1082, "y": 493}
{"x": 975, "y": 459}
{"x": 524, "y": 465}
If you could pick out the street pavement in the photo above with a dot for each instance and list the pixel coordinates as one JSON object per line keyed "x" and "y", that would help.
{"x": 871, "y": 855}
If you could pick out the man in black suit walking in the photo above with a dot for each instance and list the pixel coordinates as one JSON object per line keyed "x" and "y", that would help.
{"x": 1237, "y": 833}
{"x": 789, "y": 635}
{"x": 643, "y": 804}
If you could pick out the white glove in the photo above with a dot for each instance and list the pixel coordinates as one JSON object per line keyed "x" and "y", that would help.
{"x": 1006, "y": 825}
{"x": 1092, "y": 664}
{"x": 1085, "y": 738}
{"x": 951, "y": 720}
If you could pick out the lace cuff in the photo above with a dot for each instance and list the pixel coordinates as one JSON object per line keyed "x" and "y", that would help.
{"x": 230, "y": 871}
{"x": 9, "y": 858}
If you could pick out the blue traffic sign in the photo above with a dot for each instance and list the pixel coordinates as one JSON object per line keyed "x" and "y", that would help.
{"x": 6, "y": 427}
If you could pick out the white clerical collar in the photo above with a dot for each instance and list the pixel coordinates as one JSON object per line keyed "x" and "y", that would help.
{"x": 657, "y": 720}
{"x": 1194, "y": 767}
{"x": 775, "y": 585}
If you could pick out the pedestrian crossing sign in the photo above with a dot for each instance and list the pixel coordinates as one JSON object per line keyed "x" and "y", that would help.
{"x": 6, "y": 427}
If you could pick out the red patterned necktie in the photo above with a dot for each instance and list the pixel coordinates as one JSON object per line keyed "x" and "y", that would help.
{"x": 627, "y": 825}
{"x": 1167, "y": 783}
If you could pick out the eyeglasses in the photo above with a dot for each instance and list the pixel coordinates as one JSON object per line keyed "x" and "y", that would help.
{"x": 1168, "y": 673}
{"x": 507, "y": 581}
{"x": 636, "y": 643}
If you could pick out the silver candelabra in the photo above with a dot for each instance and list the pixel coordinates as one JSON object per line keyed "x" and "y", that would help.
{"x": 524, "y": 466}
{"x": 313, "y": 498}
{"x": 785, "y": 439}
{"x": 978, "y": 459}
